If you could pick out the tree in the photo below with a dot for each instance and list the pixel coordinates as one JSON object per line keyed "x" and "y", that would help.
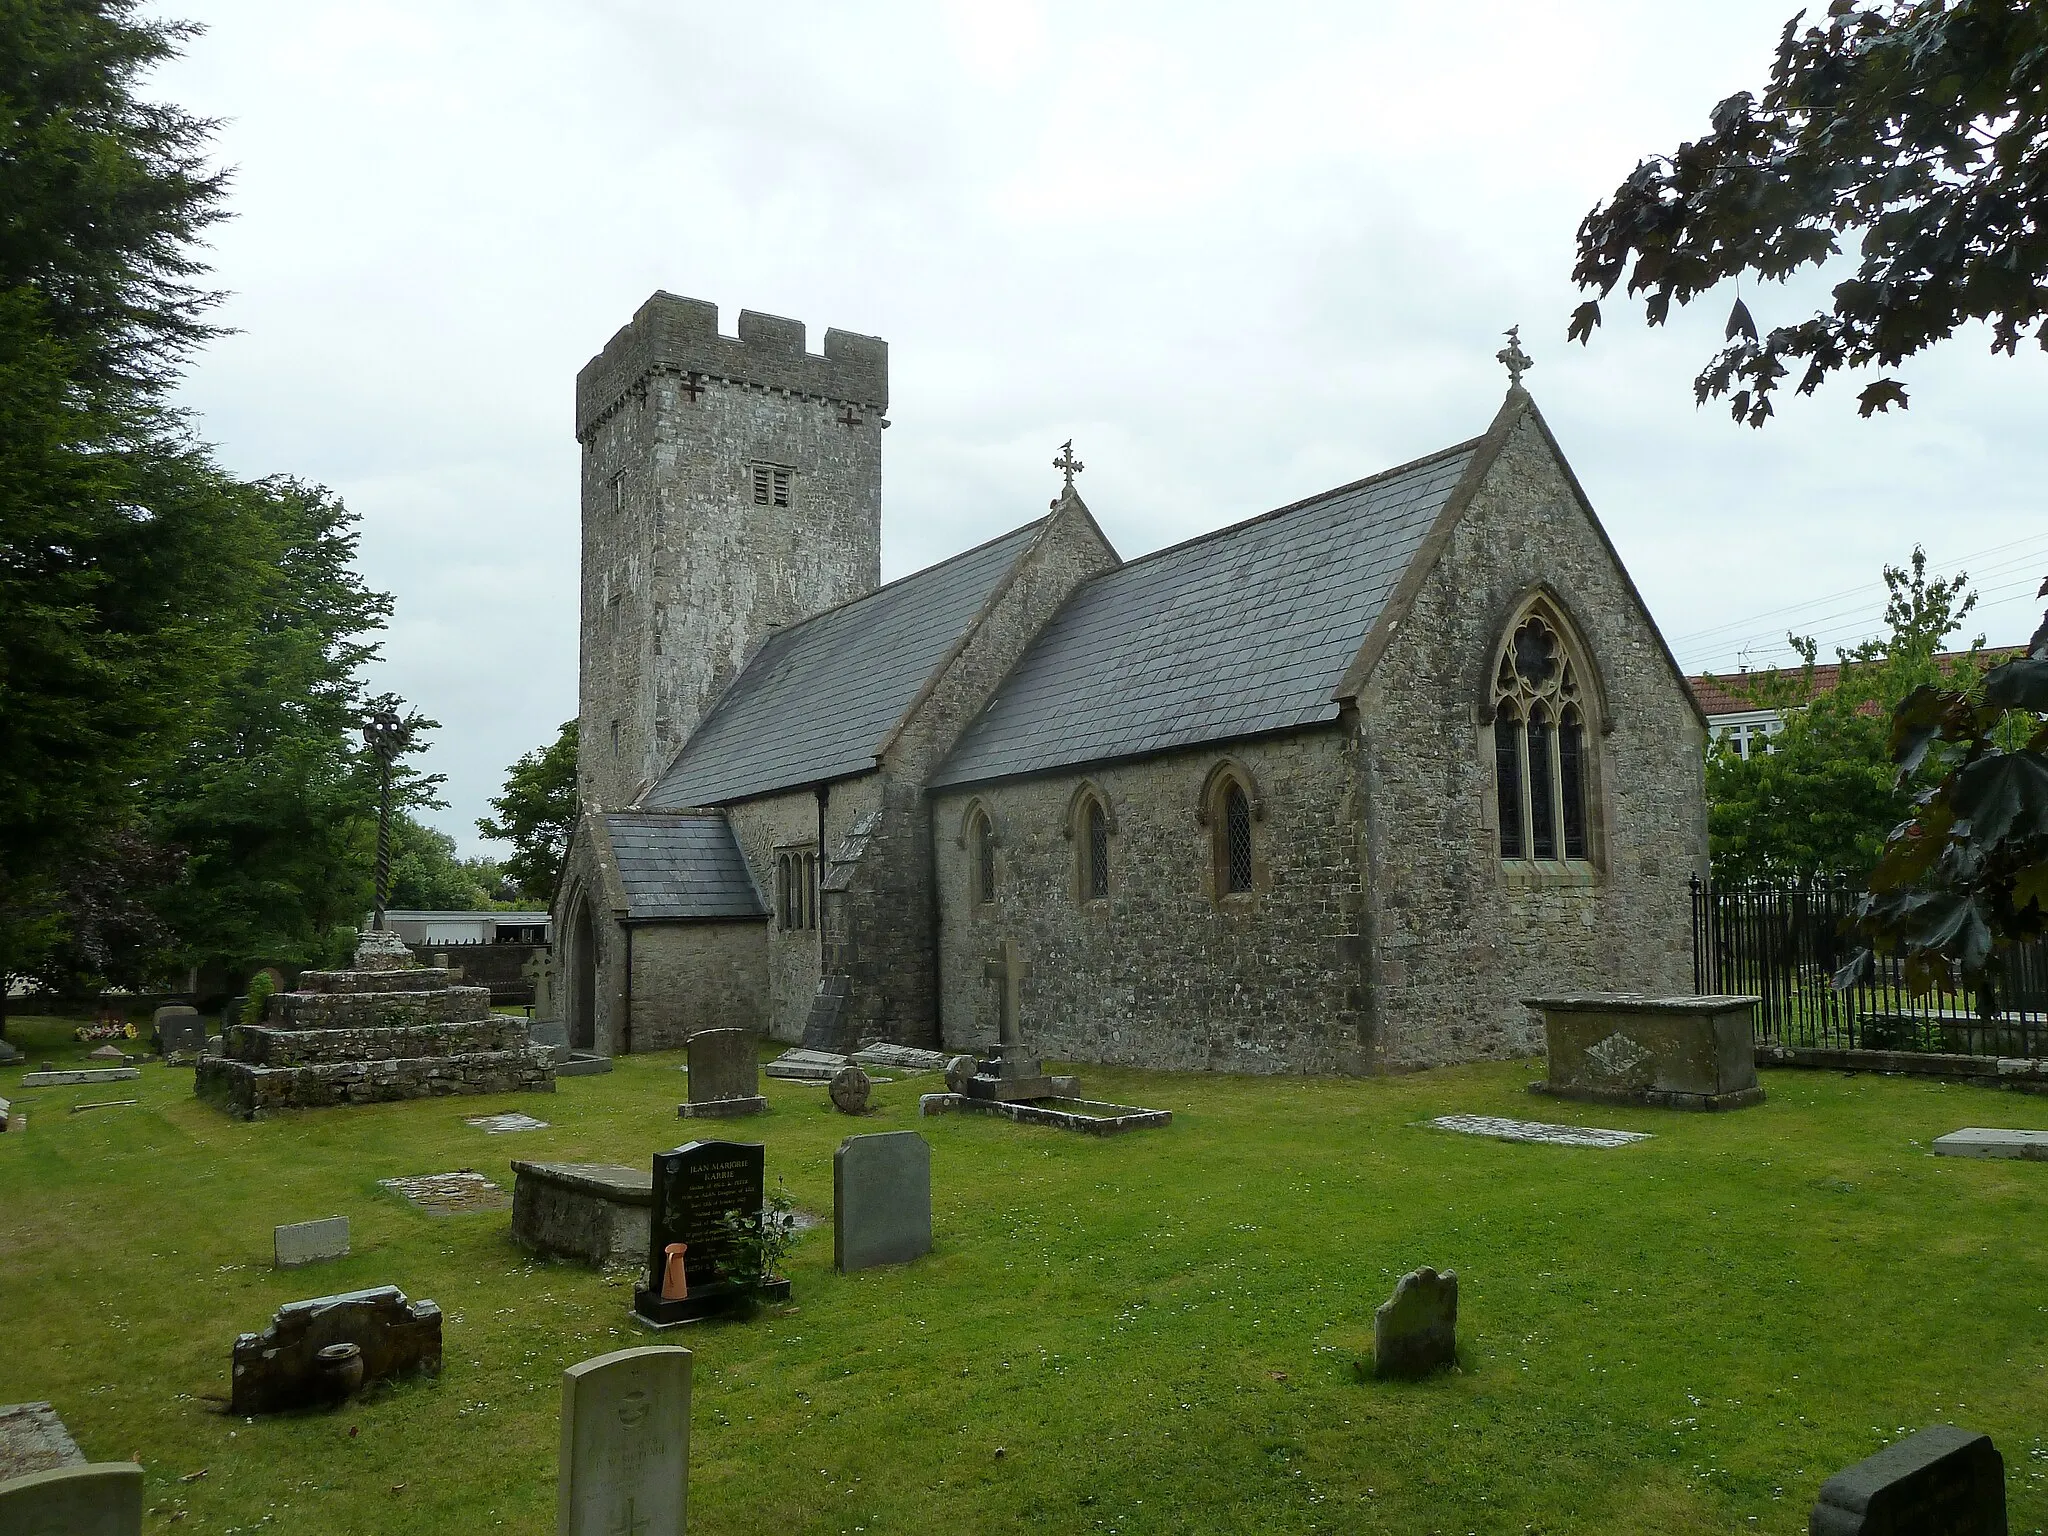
{"x": 125, "y": 562}
{"x": 536, "y": 814}
{"x": 1921, "y": 125}
{"x": 1823, "y": 799}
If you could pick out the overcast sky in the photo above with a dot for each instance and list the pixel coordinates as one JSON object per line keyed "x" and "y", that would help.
{"x": 1239, "y": 254}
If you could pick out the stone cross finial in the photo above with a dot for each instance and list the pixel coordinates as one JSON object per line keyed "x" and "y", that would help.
{"x": 1008, "y": 970}
{"x": 1067, "y": 464}
{"x": 1513, "y": 358}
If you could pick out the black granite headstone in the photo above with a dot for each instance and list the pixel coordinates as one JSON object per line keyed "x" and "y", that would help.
{"x": 1944, "y": 1481}
{"x": 698, "y": 1189}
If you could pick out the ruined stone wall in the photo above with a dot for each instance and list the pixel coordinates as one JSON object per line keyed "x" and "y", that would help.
{"x": 693, "y": 976}
{"x": 1458, "y": 939}
{"x": 1164, "y": 972}
{"x": 764, "y": 829}
{"x": 682, "y": 570}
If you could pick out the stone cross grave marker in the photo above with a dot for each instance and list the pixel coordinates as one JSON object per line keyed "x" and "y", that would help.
{"x": 308, "y": 1242}
{"x": 697, "y": 1188}
{"x": 540, "y": 970}
{"x": 625, "y": 1461}
{"x": 881, "y": 1200}
{"x": 104, "y": 1499}
{"x": 725, "y": 1075}
{"x": 1416, "y": 1330}
{"x": 1944, "y": 1481}
{"x": 1009, "y": 971}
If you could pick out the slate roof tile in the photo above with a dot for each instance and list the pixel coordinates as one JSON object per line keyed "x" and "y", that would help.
{"x": 817, "y": 698}
{"x": 681, "y": 867}
{"x": 1235, "y": 633}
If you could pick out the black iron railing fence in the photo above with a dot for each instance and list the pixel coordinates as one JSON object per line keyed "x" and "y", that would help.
{"x": 1784, "y": 942}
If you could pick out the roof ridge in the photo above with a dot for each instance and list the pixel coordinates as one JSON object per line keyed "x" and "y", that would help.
{"x": 1297, "y": 506}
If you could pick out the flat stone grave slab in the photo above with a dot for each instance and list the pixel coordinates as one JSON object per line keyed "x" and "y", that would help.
{"x": 1943, "y": 1480}
{"x": 499, "y": 1125}
{"x": 881, "y": 1200}
{"x": 34, "y": 1439}
{"x": 451, "y": 1194}
{"x": 798, "y": 1065}
{"x": 1984, "y": 1141}
{"x": 900, "y": 1058}
{"x": 308, "y": 1242}
{"x": 1535, "y": 1130}
{"x": 625, "y": 1458}
{"x": 100, "y": 1500}
{"x": 1088, "y": 1116}
{"x": 80, "y": 1075}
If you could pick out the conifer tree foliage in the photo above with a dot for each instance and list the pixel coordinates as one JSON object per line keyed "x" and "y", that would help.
{"x": 536, "y": 814}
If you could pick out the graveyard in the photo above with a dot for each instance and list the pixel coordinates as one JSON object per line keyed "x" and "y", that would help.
{"x": 1166, "y": 1330}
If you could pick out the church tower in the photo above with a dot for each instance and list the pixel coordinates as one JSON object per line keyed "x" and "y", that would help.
{"x": 730, "y": 485}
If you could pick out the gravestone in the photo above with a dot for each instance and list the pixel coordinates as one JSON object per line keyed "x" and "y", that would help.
{"x": 881, "y": 1200}
{"x": 1944, "y": 1481}
{"x": 10, "y": 1055}
{"x": 725, "y": 1075}
{"x": 107, "y": 1053}
{"x": 595, "y": 1213}
{"x": 280, "y": 1367}
{"x": 308, "y": 1242}
{"x": 180, "y": 1031}
{"x": 79, "y": 1077}
{"x": 698, "y": 1187}
{"x": 1416, "y": 1330}
{"x": 625, "y": 1459}
{"x": 6, "y": 1117}
{"x": 104, "y": 1499}
{"x": 540, "y": 970}
{"x": 450, "y": 1194}
{"x": 34, "y": 1439}
{"x": 1500, "y": 1129}
{"x": 849, "y": 1089}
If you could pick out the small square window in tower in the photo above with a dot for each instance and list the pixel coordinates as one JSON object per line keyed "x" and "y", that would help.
{"x": 772, "y": 485}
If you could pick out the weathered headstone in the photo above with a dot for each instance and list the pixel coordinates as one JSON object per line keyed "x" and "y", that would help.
{"x": 625, "y": 1460}
{"x": 1416, "y": 1330}
{"x": 1944, "y": 1481}
{"x": 595, "y": 1213}
{"x": 10, "y": 1054}
{"x": 280, "y": 1367}
{"x": 104, "y": 1499}
{"x": 698, "y": 1189}
{"x": 540, "y": 970}
{"x": 179, "y": 1030}
{"x": 308, "y": 1242}
{"x": 849, "y": 1089}
{"x": 34, "y": 1439}
{"x": 6, "y": 1117}
{"x": 881, "y": 1200}
{"x": 1983, "y": 1141}
{"x": 725, "y": 1075}
{"x": 107, "y": 1053}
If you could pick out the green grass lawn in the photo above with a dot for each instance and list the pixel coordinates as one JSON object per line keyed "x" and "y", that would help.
{"x": 1153, "y": 1332}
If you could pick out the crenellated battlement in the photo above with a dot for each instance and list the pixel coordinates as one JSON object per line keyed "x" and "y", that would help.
{"x": 672, "y": 334}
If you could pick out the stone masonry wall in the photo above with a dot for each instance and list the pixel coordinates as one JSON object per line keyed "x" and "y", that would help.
{"x": 1458, "y": 940}
{"x": 1162, "y": 973}
{"x": 765, "y": 828}
{"x": 693, "y": 976}
{"x": 682, "y": 571}
{"x": 886, "y": 922}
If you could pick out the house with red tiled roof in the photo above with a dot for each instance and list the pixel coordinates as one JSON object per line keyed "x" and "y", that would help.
{"x": 1748, "y": 727}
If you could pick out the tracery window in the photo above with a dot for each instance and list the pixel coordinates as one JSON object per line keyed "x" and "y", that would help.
{"x": 981, "y": 851}
{"x": 1540, "y": 746}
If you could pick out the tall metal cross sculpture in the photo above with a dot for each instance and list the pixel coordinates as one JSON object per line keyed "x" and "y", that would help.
{"x": 389, "y": 737}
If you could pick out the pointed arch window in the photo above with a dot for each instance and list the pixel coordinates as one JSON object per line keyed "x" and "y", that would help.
{"x": 981, "y": 854}
{"x": 1234, "y": 839}
{"x": 1542, "y": 768}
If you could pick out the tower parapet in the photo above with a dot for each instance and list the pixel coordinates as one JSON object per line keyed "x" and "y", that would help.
{"x": 674, "y": 335}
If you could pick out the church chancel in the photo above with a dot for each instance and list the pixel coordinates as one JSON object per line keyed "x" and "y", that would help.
{"x": 1291, "y": 796}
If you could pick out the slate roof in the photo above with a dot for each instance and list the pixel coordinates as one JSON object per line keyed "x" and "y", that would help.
{"x": 1246, "y": 630}
{"x": 681, "y": 867}
{"x": 817, "y": 699}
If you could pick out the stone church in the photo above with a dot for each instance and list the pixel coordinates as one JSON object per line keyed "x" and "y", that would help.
{"x": 1329, "y": 790}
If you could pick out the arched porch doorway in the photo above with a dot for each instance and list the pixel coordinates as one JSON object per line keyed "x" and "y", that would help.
{"x": 582, "y": 968}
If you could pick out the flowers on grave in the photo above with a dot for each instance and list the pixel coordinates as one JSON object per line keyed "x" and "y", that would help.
{"x": 758, "y": 1242}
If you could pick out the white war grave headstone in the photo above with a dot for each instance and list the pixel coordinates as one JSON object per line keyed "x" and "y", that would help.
{"x": 625, "y": 1444}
